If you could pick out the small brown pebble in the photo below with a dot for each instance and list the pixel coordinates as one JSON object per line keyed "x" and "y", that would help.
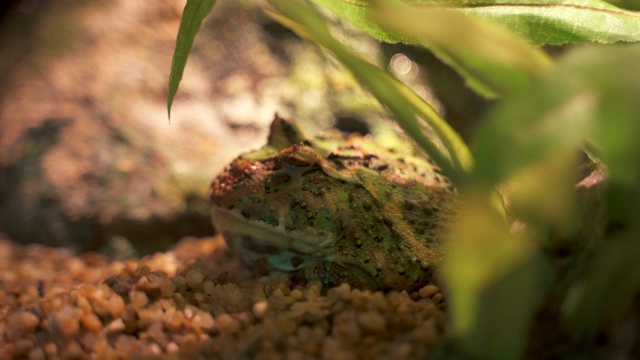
{"x": 173, "y": 319}
{"x": 167, "y": 288}
{"x": 345, "y": 327}
{"x": 155, "y": 332}
{"x": 91, "y": 322}
{"x": 204, "y": 320}
{"x": 83, "y": 303}
{"x": 296, "y": 294}
{"x": 335, "y": 349}
{"x": 188, "y": 345}
{"x": 37, "y": 354}
{"x": 104, "y": 351}
{"x": 172, "y": 347}
{"x": 426, "y": 333}
{"x": 68, "y": 319}
{"x": 208, "y": 287}
{"x": 147, "y": 316}
{"x": 20, "y": 323}
{"x": 180, "y": 281}
{"x": 142, "y": 270}
{"x": 115, "y": 326}
{"x": 51, "y": 350}
{"x": 194, "y": 279}
{"x": 227, "y": 324}
{"x": 428, "y": 291}
{"x": 138, "y": 299}
{"x": 372, "y": 322}
{"x": 116, "y": 305}
{"x": 126, "y": 345}
{"x": 154, "y": 349}
{"x": 22, "y": 346}
{"x": 260, "y": 309}
{"x": 73, "y": 350}
{"x": 438, "y": 298}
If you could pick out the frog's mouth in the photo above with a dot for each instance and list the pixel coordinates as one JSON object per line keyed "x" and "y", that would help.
{"x": 272, "y": 240}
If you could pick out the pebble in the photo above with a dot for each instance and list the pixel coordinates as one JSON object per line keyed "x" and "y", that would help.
{"x": 372, "y": 322}
{"x": 91, "y": 322}
{"x": 194, "y": 279}
{"x": 138, "y": 299}
{"x": 227, "y": 323}
{"x": 98, "y": 308}
{"x": 428, "y": 291}
{"x": 260, "y": 309}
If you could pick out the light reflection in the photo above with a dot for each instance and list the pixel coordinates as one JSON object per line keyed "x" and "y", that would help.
{"x": 326, "y": 119}
{"x": 401, "y": 64}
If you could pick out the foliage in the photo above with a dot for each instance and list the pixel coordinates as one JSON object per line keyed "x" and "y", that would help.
{"x": 194, "y": 13}
{"x": 497, "y": 279}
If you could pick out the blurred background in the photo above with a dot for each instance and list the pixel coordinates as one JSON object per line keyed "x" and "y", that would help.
{"x": 88, "y": 157}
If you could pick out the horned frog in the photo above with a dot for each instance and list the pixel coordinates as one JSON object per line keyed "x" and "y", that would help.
{"x": 335, "y": 208}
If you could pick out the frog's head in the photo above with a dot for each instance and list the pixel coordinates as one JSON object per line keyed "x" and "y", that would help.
{"x": 275, "y": 202}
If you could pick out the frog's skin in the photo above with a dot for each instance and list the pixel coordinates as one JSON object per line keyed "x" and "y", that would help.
{"x": 336, "y": 208}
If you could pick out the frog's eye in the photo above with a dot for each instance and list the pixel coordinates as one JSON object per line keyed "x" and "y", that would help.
{"x": 299, "y": 156}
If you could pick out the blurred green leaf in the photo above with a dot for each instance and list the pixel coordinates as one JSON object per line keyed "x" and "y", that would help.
{"x": 493, "y": 60}
{"x": 614, "y": 278}
{"x": 194, "y": 13}
{"x": 407, "y": 106}
{"x": 591, "y": 95}
{"x": 545, "y": 120}
{"x": 543, "y": 196}
{"x": 539, "y": 21}
{"x": 494, "y": 281}
{"x": 489, "y": 55}
{"x": 608, "y": 290}
{"x": 563, "y": 21}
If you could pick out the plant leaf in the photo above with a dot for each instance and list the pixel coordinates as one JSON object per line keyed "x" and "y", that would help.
{"x": 497, "y": 63}
{"x": 493, "y": 280}
{"x": 194, "y": 13}
{"x": 559, "y": 22}
{"x": 407, "y": 106}
{"x": 595, "y": 300}
{"x": 592, "y": 94}
{"x": 528, "y": 129}
{"x": 539, "y": 21}
{"x": 493, "y": 60}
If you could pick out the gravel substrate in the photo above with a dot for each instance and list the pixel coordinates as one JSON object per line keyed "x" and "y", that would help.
{"x": 198, "y": 301}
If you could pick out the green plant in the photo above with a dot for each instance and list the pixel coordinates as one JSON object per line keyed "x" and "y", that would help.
{"x": 497, "y": 279}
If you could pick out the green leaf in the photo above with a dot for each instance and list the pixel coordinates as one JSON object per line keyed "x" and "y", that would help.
{"x": 194, "y": 12}
{"x": 492, "y": 60}
{"x": 561, "y": 21}
{"x": 591, "y": 94}
{"x": 595, "y": 301}
{"x": 493, "y": 280}
{"x": 539, "y": 21}
{"x": 529, "y": 128}
{"x": 407, "y": 106}
{"x": 615, "y": 72}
